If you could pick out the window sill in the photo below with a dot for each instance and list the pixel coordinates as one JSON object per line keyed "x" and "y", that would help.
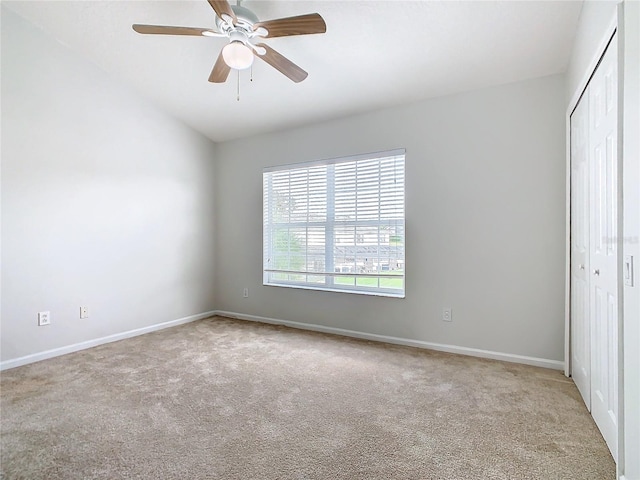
{"x": 382, "y": 293}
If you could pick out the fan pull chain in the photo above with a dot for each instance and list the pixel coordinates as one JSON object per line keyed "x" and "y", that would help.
{"x": 238, "y": 86}
{"x": 251, "y": 74}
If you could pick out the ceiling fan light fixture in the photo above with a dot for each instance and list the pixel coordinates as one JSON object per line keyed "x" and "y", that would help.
{"x": 237, "y": 55}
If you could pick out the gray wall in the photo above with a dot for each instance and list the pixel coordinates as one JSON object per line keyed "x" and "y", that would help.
{"x": 106, "y": 202}
{"x": 485, "y": 220}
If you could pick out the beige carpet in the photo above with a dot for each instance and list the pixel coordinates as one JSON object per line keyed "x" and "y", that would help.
{"x": 227, "y": 399}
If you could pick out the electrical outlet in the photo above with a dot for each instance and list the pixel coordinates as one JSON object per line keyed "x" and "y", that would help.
{"x": 84, "y": 312}
{"x": 446, "y": 315}
{"x": 245, "y": 292}
{"x": 44, "y": 318}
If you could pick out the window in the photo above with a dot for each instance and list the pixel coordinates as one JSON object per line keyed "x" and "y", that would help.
{"x": 336, "y": 225}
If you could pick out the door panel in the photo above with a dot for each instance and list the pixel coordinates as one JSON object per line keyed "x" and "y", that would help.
{"x": 580, "y": 328}
{"x": 603, "y": 257}
{"x": 594, "y": 247}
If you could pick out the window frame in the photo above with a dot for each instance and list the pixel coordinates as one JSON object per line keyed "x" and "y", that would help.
{"x": 328, "y": 225}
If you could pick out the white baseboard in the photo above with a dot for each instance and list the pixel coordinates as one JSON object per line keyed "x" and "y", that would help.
{"x": 507, "y": 357}
{"x": 474, "y": 352}
{"x": 56, "y": 352}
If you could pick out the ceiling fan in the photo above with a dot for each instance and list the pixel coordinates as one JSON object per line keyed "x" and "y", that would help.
{"x": 242, "y": 27}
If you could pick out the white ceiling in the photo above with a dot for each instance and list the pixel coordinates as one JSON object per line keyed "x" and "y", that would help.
{"x": 375, "y": 54}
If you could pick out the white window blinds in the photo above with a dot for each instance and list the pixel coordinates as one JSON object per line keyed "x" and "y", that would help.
{"x": 336, "y": 225}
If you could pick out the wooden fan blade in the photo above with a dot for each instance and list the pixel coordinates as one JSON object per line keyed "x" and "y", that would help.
{"x": 282, "y": 64}
{"x": 169, "y": 30}
{"x": 301, "y": 25}
{"x": 221, "y": 8}
{"x": 220, "y": 71}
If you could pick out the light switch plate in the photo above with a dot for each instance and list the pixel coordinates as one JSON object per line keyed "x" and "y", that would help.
{"x": 627, "y": 270}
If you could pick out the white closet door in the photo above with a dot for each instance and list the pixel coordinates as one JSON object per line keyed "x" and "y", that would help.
{"x": 603, "y": 259}
{"x": 580, "y": 329}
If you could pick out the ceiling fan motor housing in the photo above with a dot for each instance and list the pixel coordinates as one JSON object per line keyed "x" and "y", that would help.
{"x": 238, "y": 36}
{"x": 246, "y": 19}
